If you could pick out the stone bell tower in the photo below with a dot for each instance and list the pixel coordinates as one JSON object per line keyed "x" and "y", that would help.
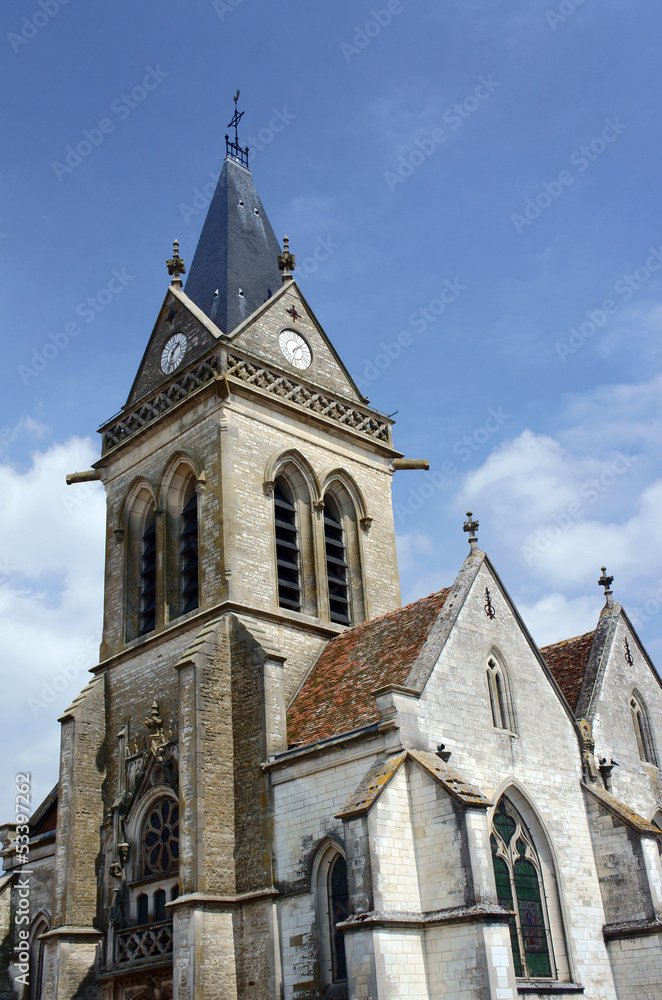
{"x": 249, "y": 521}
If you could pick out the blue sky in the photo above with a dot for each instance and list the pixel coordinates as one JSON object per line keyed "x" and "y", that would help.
{"x": 472, "y": 193}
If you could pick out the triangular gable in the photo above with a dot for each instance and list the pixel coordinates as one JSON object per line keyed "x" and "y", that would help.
{"x": 440, "y": 632}
{"x": 258, "y": 335}
{"x": 601, "y": 649}
{"x": 380, "y": 775}
{"x": 178, "y": 314}
{"x": 620, "y": 811}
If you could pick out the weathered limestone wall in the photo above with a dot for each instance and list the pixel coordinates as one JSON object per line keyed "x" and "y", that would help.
{"x": 636, "y": 964}
{"x": 540, "y": 765}
{"x": 635, "y": 782}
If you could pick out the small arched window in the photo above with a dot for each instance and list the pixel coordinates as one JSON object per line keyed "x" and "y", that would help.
{"x": 37, "y": 965}
{"x": 332, "y": 897}
{"x": 160, "y": 838}
{"x": 642, "y": 729}
{"x": 288, "y": 565}
{"x": 142, "y": 908}
{"x": 338, "y": 896}
{"x": 160, "y": 904}
{"x": 501, "y": 702}
{"x": 520, "y": 887}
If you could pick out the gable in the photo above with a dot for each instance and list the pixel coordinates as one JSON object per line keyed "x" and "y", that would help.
{"x": 178, "y": 315}
{"x": 288, "y": 310}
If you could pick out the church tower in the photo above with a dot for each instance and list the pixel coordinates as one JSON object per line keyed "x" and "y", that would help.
{"x": 249, "y": 521}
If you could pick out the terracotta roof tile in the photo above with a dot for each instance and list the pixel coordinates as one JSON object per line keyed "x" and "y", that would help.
{"x": 337, "y": 694}
{"x": 568, "y": 660}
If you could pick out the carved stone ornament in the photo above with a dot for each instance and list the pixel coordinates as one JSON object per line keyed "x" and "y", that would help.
{"x": 588, "y": 749}
{"x": 269, "y": 486}
{"x": 119, "y": 534}
{"x": 365, "y": 523}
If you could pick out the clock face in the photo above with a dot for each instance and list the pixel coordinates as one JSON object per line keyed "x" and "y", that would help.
{"x": 295, "y": 349}
{"x": 173, "y": 353}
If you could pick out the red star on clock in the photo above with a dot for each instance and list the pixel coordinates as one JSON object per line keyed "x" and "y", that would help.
{"x": 293, "y": 313}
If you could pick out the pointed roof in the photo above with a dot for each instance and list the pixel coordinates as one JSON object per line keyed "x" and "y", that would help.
{"x": 337, "y": 694}
{"x": 235, "y": 266}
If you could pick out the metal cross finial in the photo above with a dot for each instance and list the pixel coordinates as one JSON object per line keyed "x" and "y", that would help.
{"x": 176, "y": 265}
{"x": 472, "y": 527}
{"x": 233, "y": 149}
{"x": 606, "y": 582}
{"x": 286, "y": 259}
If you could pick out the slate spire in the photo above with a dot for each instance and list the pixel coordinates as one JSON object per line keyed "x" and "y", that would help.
{"x": 235, "y": 265}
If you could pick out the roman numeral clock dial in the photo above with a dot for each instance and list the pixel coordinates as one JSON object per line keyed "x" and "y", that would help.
{"x": 173, "y": 353}
{"x": 295, "y": 349}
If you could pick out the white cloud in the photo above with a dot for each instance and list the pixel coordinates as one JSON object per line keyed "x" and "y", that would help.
{"x": 51, "y": 586}
{"x": 556, "y": 617}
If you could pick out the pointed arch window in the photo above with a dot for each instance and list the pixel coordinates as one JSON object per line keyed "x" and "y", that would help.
{"x": 342, "y": 546}
{"x": 147, "y": 580}
{"x": 188, "y": 553}
{"x": 287, "y": 548}
{"x": 332, "y": 898}
{"x": 338, "y": 896}
{"x": 501, "y": 701}
{"x": 642, "y": 729}
{"x": 520, "y": 888}
{"x": 336, "y": 563}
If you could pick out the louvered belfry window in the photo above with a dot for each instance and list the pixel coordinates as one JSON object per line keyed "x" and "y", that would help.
{"x": 287, "y": 550}
{"x": 336, "y": 564}
{"x": 188, "y": 556}
{"x": 147, "y": 595}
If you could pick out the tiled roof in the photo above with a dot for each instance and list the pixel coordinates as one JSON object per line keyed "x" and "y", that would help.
{"x": 567, "y": 660}
{"x": 337, "y": 694}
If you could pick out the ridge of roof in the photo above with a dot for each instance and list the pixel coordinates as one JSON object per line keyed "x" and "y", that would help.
{"x": 337, "y": 695}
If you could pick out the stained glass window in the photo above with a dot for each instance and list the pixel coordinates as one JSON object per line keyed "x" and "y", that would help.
{"x": 520, "y": 888}
{"x": 161, "y": 838}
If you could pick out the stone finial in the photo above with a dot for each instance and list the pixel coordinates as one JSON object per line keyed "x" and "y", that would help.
{"x": 472, "y": 527}
{"x": 176, "y": 265}
{"x": 606, "y": 582}
{"x": 286, "y": 261}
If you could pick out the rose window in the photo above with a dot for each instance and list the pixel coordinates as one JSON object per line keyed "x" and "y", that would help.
{"x": 161, "y": 838}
